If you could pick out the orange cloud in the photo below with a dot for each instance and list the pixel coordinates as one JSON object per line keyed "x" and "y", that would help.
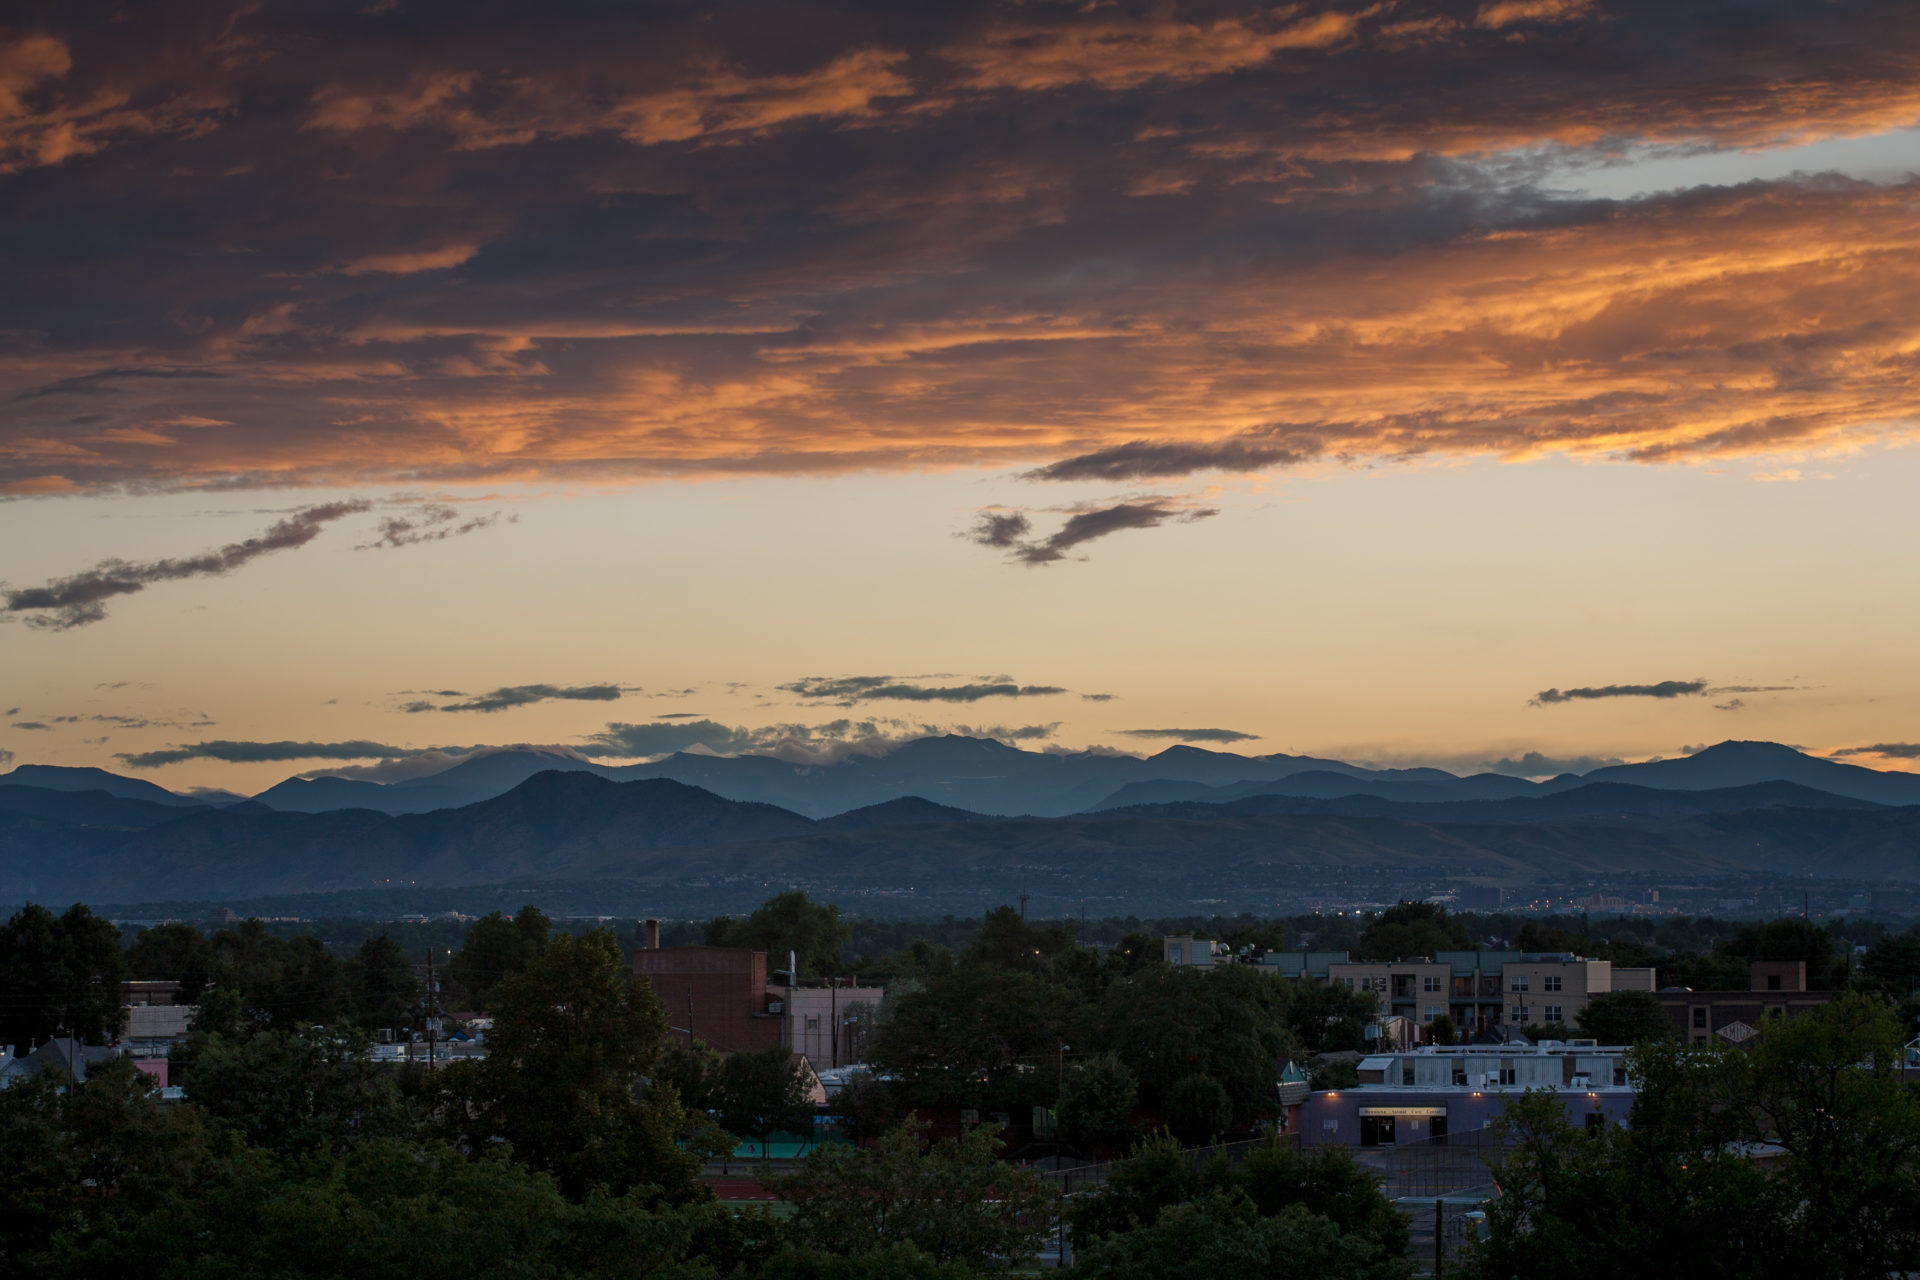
{"x": 402, "y": 264}
{"x": 1104, "y": 243}
{"x": 482, "y": 112}
{"x": 41, "y": 126}
{"x": 1743, "y": 323}
{"x": 1116, "y": 53}
{"x": 1505, "y": 13}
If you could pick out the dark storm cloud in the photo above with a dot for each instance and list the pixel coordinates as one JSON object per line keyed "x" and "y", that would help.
{"x": 1145, "y": 459}
{"x": 1892, "y": 750}
{"x": 32, "y": 724}
{"x": 434, "y": 522}
{"x": 1664, "y": 689}
{"x": 1083, "y": 526}
{"x": 522, "y": 695}
{"x": 1192, "y": 735}
{"x": 1534, "y": 764}
{"x": 847, "y": 690}
{"x": 65, "y": 603}
{"x": 289, "y": 245}
{"x": 240, "y": 752}
{"x": 1000, "y": 529}
{"x": 795, "y": 741}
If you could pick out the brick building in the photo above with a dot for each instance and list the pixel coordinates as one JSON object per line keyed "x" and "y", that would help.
{"x": 721, "y": 996}
{"x": 717, "y": 995}
{"x": 1776, "y": 988}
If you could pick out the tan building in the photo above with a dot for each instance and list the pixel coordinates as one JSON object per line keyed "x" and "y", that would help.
{"x": 829, "y": 1024}
{"x": 1189, "y": 950}
{"x": 1413, "y": 989}
{"x": 1524, "y": 990}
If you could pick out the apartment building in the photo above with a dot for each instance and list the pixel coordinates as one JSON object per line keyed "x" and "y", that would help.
{"x": 1417, "y": 990}
{"x": 1481, "y": 991}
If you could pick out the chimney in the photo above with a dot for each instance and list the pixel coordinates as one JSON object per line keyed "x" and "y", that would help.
{"x": 650, "y": 934}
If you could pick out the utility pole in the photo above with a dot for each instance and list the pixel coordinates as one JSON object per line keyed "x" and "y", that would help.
{"x": 833, "y": 1019}
{"x": 689, "y": 1015}
{"x": 1023, "y": 908}
{"x": 1439, "y": 1238}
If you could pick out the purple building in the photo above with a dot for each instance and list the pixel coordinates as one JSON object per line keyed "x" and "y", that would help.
{"x": 1428, "y": 1094}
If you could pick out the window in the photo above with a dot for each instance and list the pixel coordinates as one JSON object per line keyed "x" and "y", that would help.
{"x": 1521, "y": 1013}
{"x": 1431, "y": 984}
{"x": 1519, "y": 982}
{"x": 1506, "y": 1076}
{"x": 1699, "y": 1019}
{"x": 813, "y": 1023}
{"x": 1773, "y": 982}
{"x": 1553, "y": 1014}
{"x": 1550, "y": 983}
{"x": 1176, "y": 954}
{"x": 1431, "y": 1012}
{"x": 1406, "y": 1073}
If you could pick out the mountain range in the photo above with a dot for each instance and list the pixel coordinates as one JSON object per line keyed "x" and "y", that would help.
{"x": 1735, "y": 809}
{"x": 984, "y": 776}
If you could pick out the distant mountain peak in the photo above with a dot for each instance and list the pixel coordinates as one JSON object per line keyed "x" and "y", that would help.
{"x": 1752, "y": 748}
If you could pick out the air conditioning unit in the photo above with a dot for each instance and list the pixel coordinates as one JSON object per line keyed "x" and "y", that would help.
{"x": 776, "y": 1006}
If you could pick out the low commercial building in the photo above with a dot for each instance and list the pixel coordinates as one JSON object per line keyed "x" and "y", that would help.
{"x": 155, "y": 1030}
{"x": 1185, "y": 949}
{"x": 1426, "y": 1095}
{"x": 1777, "y": 988}
{"x": 829, "y": 1022}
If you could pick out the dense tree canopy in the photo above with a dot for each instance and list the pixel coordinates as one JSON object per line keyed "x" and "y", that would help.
{"x": 1625, "y": 1017}
{"x": 1682, "y": 1189}
{"x": 572, "y": 1040}
{"x": 496, "y": 948}
{"x": 952, "y": 1201}
{"x": 1280, "y": 1211}
{"x": 60, "y": 975}
{"x": 1409, "y": 929}
{"x": 788, "y": 922}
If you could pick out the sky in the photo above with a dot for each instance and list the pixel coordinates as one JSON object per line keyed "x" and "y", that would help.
{"x": 1518, "y": 384}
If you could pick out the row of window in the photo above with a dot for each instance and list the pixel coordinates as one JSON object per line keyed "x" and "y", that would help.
{"x": 1548, "y": 982}
{"x": 1520, "y": 1015}
{"x": 1520, "y": 982}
